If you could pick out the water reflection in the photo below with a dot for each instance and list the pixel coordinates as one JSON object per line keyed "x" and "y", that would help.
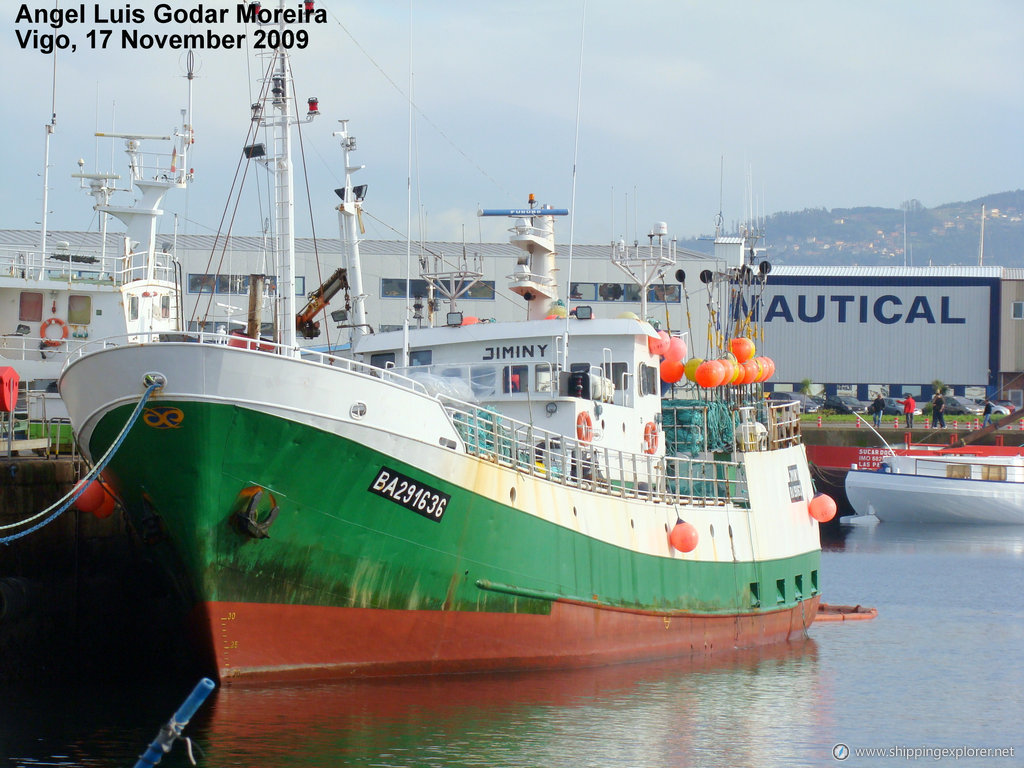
{"x": 1002, "y": 539}
{"x": 730, "y": 711}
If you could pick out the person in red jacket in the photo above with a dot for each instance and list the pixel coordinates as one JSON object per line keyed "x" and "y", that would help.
{"x": 908, "y": 410}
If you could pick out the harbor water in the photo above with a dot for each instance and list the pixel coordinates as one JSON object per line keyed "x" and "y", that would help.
{"x": 937, "y": 677}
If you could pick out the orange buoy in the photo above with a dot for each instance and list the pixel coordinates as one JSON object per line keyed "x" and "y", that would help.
{"x": 106, "y": 508}
{"x": 650, "y": 437}
{"x": 658, "y": 345}
{"x": 584, "y": 427}
{"x": 672, "y": 370}
{"x": 822, "y": 507}
{"x": 683, "y": 537}
{"x": 742, "y": 347}
{"x": 676, "y": 349}
{"x": 91, "y": 498}
{"x": 710, "y": 373}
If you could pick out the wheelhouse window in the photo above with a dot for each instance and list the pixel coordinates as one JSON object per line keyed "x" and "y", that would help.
{"x": 31, "y": 307}
{"x": 515, "y": 378}
{"x": 133, "y": 307}
{"x": 79, "y": 309}
{"x": 617, "y": 373}
{"x": 383, "y": 360}
{"x": 648, "y": 380}
{"x": 420, "y": 357}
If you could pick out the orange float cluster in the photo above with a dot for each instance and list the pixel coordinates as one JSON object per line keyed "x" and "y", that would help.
{"x": 673, "y": 351}
{"x": 738, "y": 367}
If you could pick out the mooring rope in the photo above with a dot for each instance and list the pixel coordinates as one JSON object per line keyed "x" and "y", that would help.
{"x": 63, "y": 504}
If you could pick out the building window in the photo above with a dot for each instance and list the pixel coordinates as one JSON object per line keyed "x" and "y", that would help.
{"x": 236, "y": 285}
{"x": 664, "y": 293}
{"x": 624, "y": 292}
{"x": 79, "y": 309}
{"x": 31, "y": 308}
{"x": 1018, "y": 310}
{"x": 394, "y": 288}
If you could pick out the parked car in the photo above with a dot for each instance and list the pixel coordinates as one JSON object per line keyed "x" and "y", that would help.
{"x": 807, "y": 405}
{"x": 894, "y": 408}
{"x": 961, "y": 406}
{"x": 844, "y": 404}
{"x": 999, "y": 407}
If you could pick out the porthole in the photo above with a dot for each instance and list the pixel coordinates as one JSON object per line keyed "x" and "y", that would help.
{"x": 574, "y": 513}
{"x": 712, "y": 527}
{"x": 358, "y": 410}
{"x": 512, "y": 494}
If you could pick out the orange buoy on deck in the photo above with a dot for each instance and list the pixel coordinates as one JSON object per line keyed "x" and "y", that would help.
{"x": 828, "y": 612}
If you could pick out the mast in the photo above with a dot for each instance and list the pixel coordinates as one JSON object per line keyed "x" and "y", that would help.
{"x": 350, "y": 223}
{"x": 50, "y": 128}
{"x": 534, "y": 275}
{"x": 280, "y": 92}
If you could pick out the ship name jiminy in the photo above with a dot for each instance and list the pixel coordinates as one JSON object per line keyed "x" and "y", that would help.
{"x": 514, "y": 351}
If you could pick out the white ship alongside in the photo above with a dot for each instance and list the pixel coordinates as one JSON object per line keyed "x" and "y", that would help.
{"x": 941, "y": 486}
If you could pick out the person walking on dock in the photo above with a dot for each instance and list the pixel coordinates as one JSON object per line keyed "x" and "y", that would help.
{"x": 877, "y": 408}
{"x": 938, "y": 411}
{"x": 987, "y": 421}
{"x": 909, "y": 406}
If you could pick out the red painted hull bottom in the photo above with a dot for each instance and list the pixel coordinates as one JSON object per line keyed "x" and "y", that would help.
{"x": 291, "y": 642}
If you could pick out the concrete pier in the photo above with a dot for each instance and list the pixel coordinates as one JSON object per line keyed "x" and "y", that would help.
{"x": 79, "y": 595}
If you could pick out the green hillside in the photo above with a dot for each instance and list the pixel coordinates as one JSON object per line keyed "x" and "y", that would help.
{"x": 946, "y": 235}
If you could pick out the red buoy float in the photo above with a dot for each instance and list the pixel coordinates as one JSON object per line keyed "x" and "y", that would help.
{"x": 91, "y": 498}
{"x": 683, "y": 537}
{"x": 658, "y": 345}
{"x": 8, "y": 389}
{"x": 672, "y": 370}
{"x": 822, "y": 507}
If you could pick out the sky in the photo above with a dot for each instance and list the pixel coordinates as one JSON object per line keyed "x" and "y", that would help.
{"x": 627, "y": 113}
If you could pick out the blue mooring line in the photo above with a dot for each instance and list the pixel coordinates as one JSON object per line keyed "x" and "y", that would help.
{"x": 81, "y": 486}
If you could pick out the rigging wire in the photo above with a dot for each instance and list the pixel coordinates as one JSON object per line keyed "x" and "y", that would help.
{"x": 572, "y": 196}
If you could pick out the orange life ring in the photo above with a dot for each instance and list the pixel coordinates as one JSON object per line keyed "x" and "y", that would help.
{"x": 650, "y": 437}
{"x": 46, "y": 339}
{"x": 584, "y": 427}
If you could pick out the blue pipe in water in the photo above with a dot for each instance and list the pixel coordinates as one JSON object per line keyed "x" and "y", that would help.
{"x": 161, "y": 745}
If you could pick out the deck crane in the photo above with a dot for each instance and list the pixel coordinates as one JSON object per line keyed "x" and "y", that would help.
{"x": 319, "y": 299}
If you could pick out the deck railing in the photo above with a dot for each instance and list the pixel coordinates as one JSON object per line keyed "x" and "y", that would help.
{"x": 531, "y": 450}
{"x": 567, "y": 461}
{"x": 77, "y": 264}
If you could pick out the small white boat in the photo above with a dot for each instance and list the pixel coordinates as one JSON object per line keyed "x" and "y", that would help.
{"x": 930, "y": 485}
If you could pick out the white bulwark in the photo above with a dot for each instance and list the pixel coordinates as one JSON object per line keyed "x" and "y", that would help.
{"x": 856, "y": 330}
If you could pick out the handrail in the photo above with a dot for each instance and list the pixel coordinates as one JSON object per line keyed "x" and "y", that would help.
{"x": 567, "y": 461}
{"x": 246, "y": 345}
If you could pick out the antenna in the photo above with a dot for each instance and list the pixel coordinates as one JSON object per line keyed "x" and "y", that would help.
{"x": 981, "y": 245}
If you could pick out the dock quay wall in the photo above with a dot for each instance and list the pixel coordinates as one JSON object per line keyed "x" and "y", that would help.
{"x": 79, "y": 595}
